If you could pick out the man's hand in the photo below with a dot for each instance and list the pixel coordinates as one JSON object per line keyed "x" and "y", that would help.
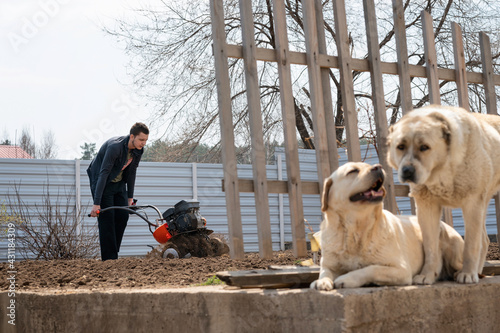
{"x": 95, "y": 208}
{"x": 130, "y": 201}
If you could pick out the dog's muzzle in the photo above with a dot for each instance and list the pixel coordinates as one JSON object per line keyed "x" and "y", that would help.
{"x": 376, "y": 192}
{"x": 408, "y": 173}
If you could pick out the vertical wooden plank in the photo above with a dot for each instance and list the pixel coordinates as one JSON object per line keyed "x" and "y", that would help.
{"x": 291, "y": 146}
{"x": 402, "y": 51}
{"x": 413, "y": 207}
{"x": 327, "y": 90}
{"x": 256, "y": 133}
{"x": 403, "y": 64}
{"x": 227, "y": 135}
{"x": 460, "y": 70}
{"x": 431, "y": 69}
{"x": 316, "y": 90}
{"x": 378, "y": 99}
{"x": 345, "y": 63}
{"x": 488, "y": 82}
{"x": 491, "y": 106}
{"x": 430, "y": 58}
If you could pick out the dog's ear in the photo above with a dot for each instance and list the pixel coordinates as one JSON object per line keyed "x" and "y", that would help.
{"x": 326, "y": 190}
{"x": 445, "y": 126}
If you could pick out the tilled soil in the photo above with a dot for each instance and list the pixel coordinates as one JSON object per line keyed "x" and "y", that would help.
{"x": 138, "y": 272}
{"x": 493, "y": 252}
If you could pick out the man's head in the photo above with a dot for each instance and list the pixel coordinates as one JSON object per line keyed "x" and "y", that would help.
{"x": 139, "y": 134}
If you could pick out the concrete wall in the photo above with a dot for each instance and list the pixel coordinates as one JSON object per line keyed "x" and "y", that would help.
{"x": 444, "y": 307}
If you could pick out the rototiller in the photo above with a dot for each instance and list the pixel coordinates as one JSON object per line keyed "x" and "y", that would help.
{"x": 183, "y": 218}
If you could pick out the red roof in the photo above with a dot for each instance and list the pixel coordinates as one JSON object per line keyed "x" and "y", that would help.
{"x": 13, "y": 152}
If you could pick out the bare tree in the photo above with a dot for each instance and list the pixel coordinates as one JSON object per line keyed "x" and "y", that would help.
{"x": 27, "y": 143}
{"x": 172, "y": 63}
{"x": 48, "y": 148}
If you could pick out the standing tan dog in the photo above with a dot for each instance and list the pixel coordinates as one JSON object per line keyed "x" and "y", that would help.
{"x": 450, "y": 157}
{"x": 362, "y": 244}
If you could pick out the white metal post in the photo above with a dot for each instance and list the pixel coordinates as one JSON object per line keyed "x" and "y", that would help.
{"x": 280, "y": 204}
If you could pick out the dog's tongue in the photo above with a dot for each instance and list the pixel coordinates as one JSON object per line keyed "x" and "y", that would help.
{"x": 373, "y": 194}
{"x": 370, "y": 195}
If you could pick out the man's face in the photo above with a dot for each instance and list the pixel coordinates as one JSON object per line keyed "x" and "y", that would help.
{"x": 139, "y": 141}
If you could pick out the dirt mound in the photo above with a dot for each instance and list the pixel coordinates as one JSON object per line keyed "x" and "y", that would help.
{"x": 153, "y": 271}
{"x": 195, "y": 244}
{"x": 130, "y": 272}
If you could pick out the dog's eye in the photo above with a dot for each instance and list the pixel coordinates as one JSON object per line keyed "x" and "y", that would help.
{"x": 401, "y": 147}
{"x": 353, "y": 171}
{"x": 424, "y": 148}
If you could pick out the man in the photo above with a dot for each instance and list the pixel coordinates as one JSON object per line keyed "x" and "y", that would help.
{"x": 112, "y": 179}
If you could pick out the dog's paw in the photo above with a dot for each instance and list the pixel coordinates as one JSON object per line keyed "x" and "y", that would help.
{"x": 322, "y": 284}
{"x": 345, "y": 281}
{"x": 424, "y": 279}
{"x": 463, "y": 277}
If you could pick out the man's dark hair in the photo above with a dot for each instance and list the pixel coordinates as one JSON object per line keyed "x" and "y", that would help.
{"x": 138, "y": 128}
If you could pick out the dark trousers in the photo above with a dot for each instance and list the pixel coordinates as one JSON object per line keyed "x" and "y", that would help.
{"x": 112, "y": 223}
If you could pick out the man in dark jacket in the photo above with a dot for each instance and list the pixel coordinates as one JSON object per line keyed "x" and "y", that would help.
{"x": 112, "y": 180}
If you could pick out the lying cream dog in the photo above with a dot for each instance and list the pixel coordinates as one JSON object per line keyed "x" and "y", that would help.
{"x": 361, "y": 243}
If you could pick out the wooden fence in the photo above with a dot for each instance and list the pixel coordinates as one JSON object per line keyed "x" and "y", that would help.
{"x": 318, "y": 63}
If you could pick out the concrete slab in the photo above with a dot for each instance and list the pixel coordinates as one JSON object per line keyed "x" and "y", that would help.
{"x": 443, "y": 307}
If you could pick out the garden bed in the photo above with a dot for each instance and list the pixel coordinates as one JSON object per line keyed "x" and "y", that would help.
{"x": 134, "y": 272}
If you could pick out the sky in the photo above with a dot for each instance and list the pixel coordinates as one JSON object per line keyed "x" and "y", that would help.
{"x": 60, "y": 72}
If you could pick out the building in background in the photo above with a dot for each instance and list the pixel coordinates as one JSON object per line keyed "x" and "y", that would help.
{"x": 7, "y": 151}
